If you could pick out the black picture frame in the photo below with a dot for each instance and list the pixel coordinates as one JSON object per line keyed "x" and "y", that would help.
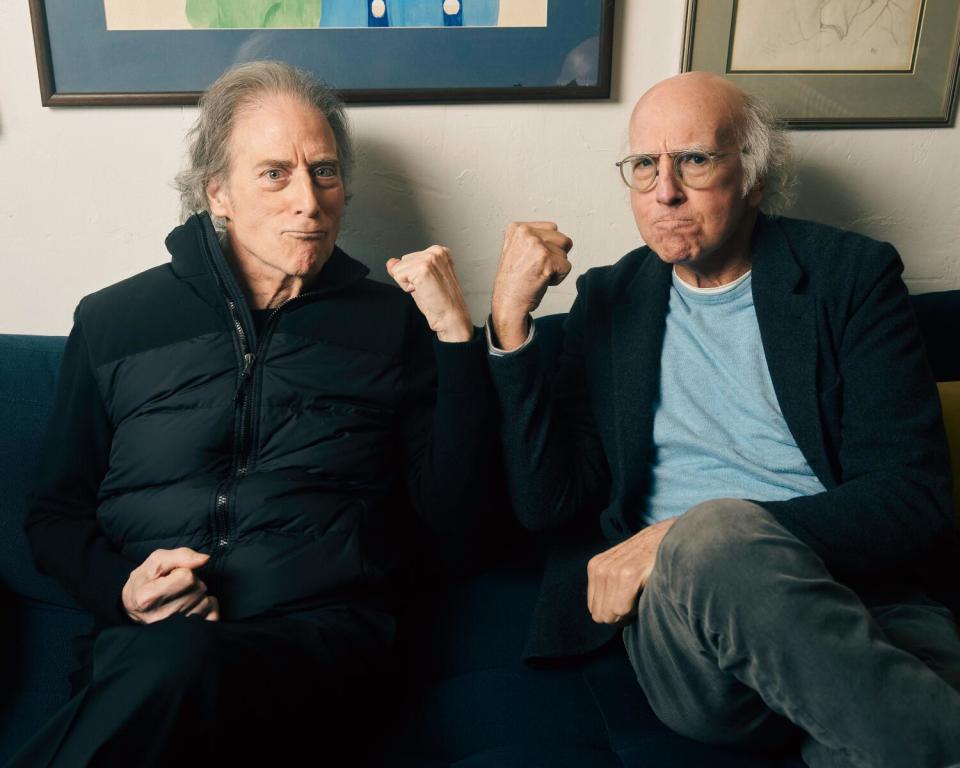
{"x": 80, "y": 63}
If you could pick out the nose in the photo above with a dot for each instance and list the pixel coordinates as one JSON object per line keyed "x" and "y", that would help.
{"x": 305, "y": 193}
{"x": 669, "y": 189}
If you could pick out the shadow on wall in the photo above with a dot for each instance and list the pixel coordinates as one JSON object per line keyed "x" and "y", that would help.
{"x": 825, "y": 195}
{"x": 383, "y": 218}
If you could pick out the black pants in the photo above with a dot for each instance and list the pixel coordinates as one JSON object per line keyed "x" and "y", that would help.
{"x": 185, "y": 691}
{"x": 742, "y": 636}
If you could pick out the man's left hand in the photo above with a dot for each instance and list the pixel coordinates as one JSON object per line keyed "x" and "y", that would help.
{"x": 429, "y": 277}
{"x": 616, "y": 577}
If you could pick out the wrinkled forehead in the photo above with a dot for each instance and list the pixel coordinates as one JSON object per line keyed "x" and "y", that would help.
{"x": 276, "y": 123}
{"x": 669, "y": 119}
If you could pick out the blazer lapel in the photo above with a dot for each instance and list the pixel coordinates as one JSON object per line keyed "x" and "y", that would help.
{"x": 639, "y": 321}
{"x": 788, "y": 332}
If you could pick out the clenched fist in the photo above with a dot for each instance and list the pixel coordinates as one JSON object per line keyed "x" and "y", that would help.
{"x": 165, "y": 584}
{"x": 534, "y": 257}
{"x": 429, "y": 277}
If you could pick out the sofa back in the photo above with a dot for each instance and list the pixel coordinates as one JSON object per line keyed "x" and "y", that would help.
{"x": 39, "y": 617}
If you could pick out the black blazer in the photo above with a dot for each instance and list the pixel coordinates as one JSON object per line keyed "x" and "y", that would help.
{"x": 850, "y": 374}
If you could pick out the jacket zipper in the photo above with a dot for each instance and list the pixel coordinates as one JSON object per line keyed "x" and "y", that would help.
{"x": 249, "y": 384}
{"x": 245, "y": 400}
{"x": 241, "y": 401}
{"x": 220, "y": 524}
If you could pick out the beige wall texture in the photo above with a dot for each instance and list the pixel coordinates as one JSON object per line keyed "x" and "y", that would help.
{"x": 87, "y": 200}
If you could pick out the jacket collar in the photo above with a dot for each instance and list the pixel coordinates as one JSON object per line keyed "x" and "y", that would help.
{"x": 775, "y": 268}
{"x": 638, "y": 324}
{"x": 787, "y": 316}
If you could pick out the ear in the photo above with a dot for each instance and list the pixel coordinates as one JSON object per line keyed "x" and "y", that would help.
{"x": 219, "y": 199}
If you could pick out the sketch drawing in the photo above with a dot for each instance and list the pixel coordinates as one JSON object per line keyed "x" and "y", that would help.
{"x": 825, "y": 35}
{"x": 311, "y": 14}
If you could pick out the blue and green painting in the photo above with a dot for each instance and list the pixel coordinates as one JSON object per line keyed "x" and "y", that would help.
{"x": 299, "y": 14}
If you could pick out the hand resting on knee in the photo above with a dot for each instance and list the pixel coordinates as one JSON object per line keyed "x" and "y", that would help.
{"x": 616, "y": 576}
{"x": 165, "y": 584}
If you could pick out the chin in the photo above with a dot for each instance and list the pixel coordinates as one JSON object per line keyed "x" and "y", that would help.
{"x": 673, "y": 253}
{"x": 307, "y": 264}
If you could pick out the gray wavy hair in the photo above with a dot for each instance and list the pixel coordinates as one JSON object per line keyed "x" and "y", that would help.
{"x": 235, "y": 89}
{"x": 767, "y": 155}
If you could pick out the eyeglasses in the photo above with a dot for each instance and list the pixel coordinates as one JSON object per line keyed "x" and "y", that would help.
{"x": 693, "y": 167}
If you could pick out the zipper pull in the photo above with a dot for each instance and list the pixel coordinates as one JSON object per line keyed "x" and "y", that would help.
{"x": 248, "y": 360}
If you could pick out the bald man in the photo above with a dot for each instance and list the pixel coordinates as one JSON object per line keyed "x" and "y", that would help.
{"x": 741, "y": 452}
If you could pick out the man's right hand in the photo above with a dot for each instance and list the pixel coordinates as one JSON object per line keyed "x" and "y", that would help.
{"x": 534, "y": 257}
{"x": 165, "y": 584}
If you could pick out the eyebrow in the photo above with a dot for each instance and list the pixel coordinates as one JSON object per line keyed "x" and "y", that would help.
{"x": 691, "y": 148}
{"x": 287, "y": 164}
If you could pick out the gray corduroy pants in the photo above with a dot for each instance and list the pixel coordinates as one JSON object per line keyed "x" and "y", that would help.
{"x": 742, "y": 636}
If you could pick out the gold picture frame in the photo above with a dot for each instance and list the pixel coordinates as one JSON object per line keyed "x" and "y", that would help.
{"x": 834, "y": 63}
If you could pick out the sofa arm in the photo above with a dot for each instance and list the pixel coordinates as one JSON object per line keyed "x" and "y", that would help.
{"x": 950, "y": 401}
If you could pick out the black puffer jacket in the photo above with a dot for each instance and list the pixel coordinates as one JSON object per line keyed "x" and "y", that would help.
{"x": 279, "y": 452}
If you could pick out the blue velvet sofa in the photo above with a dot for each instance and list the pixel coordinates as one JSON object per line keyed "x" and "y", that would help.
{"x": 460, "y": 694}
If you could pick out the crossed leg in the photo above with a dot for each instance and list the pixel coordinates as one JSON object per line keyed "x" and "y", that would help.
{"x": 742, "y": 635}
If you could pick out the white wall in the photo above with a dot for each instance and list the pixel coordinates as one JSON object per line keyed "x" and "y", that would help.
{"x": 86, "y": 197}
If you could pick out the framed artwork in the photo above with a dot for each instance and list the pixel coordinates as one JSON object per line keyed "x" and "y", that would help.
{"x": 168, "y": 51}
{"x": 834, "y": 63}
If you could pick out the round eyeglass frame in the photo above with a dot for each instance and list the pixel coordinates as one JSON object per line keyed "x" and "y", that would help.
{"x": 675, "y": 157}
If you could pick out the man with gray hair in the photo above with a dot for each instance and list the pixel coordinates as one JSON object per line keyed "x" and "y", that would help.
{"x": 236, "y": 440}
{"x": 741, "y": 454}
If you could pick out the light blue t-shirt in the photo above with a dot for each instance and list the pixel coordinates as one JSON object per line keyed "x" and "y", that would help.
{"x": 718, "y": 431}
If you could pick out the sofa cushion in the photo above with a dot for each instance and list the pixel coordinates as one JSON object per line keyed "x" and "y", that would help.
{"x": 467, "y": 700}
{"x": 35, "y": 664}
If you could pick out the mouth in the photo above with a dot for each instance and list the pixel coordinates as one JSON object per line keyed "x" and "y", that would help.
{"x": 670, "y": 223}
{"x": 301, "y": 234}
